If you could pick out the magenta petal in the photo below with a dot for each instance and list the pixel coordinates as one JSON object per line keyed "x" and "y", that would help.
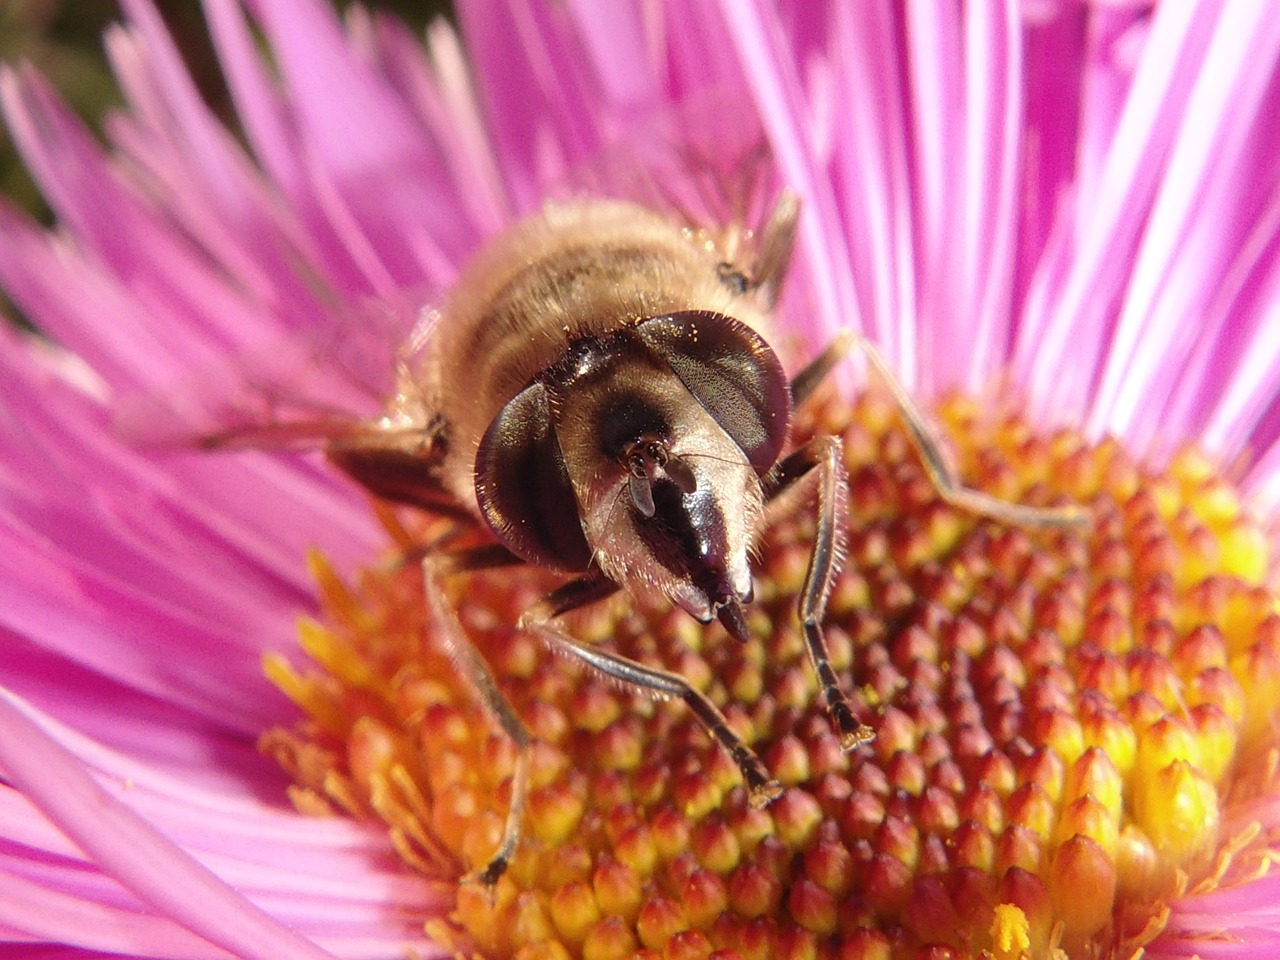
{"x": 387, "y": 187}
{"x": 1241, "y": 923}
{"x": 444, "y": 95}
{"x": 771, "y": 73}
{"x": 1068, "y": 317}
{"x": 109, "y": 553}
{"x": 1086, "y": 192}
{"x": 541, "y": 103}
{"x": 872, "y": 173}
{"x": 132, "y": 851}
{"x": 628, "y": 73}
{"x": 31, "y": 910}
{"x": 1184, "y": 252}
{"x": 328, "y": 878}
{"x": 696, "y": 67}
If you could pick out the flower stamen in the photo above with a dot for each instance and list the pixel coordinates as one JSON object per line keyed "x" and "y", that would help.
{"x": 1073, "y": 725}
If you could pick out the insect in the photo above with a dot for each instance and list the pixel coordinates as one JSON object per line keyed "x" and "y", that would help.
{"x": 599, "y": 394}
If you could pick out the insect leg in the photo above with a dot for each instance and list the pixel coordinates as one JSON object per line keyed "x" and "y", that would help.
{"x": 825, "y": 455}
{"x": 777, "y": 243}
{"x": 541, "y": 619}
{"x": 941, "y": 474}
{"x": 489, "y": 556}
{"x": 472, "y": 666}
{"x": 816, "y": 370}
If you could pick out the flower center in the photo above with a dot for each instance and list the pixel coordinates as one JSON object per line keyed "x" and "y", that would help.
{"x": 1070, "y": 725}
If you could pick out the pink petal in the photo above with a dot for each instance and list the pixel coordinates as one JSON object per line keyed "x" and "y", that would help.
{"x": 131, "y": 851}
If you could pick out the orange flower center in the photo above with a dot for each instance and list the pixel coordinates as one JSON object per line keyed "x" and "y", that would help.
{"x": 1070, "y": 724}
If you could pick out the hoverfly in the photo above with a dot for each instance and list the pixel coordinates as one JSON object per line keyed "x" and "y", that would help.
{"x": 598, "y": 393}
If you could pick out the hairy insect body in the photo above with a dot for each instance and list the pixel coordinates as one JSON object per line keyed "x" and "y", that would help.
{"x": 547, "y": 365}
{"x": 574, "y": 271}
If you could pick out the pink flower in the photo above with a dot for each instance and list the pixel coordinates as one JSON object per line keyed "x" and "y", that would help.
{"x": 1082, "y": 197}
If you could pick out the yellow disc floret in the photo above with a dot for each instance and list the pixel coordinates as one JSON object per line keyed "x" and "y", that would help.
{"x": 1070, "y": 725}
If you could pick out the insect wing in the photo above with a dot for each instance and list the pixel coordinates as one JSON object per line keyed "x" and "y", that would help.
{"x": 294, "y": 391}
{"x": 705, "y": 161}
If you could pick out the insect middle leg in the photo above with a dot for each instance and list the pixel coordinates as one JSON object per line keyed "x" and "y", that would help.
{"x": 471, "y": 664}
{"x": 542, "y": 620}
{"x": 928, "y": 445}
{"x": 824, "y": 454}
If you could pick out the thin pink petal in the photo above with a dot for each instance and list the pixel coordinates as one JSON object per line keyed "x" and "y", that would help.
{"x": 1067, "y": 320}
{"x": 762, "y": 51}
{"x": 972, "y": 339}
{"x": 1176, "y": 265}
{"x": 442, "y": 91}
{"x": 541, "y": 103}
{"x": 132, "y": 851}
{"x": 934, "y": 61}
{"x": 872, "y": 174}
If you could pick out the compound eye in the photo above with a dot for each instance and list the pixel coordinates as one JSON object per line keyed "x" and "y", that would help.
{"x": 523, "y": 488}
{"x": 732, "y": 373}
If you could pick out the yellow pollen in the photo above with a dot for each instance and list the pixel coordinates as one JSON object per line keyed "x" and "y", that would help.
{"x": 1072, "y": 725}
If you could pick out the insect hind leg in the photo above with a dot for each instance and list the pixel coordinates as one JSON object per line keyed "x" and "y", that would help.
{"x": 542, "y": 620}
{"x": 471, "y": 664}
{"x": 930, "y": 448}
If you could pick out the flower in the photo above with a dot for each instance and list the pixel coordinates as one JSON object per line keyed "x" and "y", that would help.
{"x": 1082, "y": 198}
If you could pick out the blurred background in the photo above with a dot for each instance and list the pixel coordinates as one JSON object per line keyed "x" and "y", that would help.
{"x": 63, "y": 38}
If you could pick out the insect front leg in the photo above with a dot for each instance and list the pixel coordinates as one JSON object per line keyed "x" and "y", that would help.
{"x": 471, "y": 664}
{"x": 823, "y": 454}
{"x": 543, "y": 620}
{"x": 928, "y": 445}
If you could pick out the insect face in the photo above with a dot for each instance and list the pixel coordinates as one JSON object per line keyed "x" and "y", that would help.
{"x": 665, "y": 494}
{"x": 666, "y": 498}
